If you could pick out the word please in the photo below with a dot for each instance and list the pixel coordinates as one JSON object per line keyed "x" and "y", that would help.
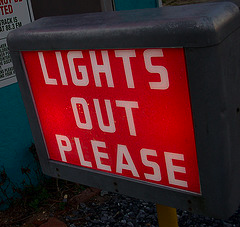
{"x": 124, "y": 161}
{"x": 79, "y": 72}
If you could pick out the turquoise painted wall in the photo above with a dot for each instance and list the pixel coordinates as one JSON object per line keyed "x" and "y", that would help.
{"x": 134, "y": 4}
{"x": 15, "y": 140}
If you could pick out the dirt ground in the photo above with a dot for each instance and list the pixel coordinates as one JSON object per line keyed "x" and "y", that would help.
{"x": 53, "y": 198}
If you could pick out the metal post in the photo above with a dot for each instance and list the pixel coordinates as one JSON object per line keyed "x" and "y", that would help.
{"x": 167, "y": 216}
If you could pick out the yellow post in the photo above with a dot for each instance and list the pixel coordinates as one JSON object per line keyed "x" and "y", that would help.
{"x": 167, "y": 216}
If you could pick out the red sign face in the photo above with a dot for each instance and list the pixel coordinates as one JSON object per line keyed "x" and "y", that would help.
{"x": 125, "y": 112}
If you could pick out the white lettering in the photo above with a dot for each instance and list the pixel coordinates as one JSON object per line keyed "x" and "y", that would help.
{"x": 122, "y": 151}
{"x": 163, "y": 84}
{"x": 44, "y": 70}
{"x": 171, "y": 169}
{"x": 98, "y": 155}
{"x": 128, "y": 105}
{"x": 126, "y": 55}
{"x": 62, "y": 148}
{"x": 105, "y": 68}
{"x": 82, "y": 69}
{"x": 61, "y": 68}
{"x": 75, "y": 106}
{"x": 111, "y": 127}
{"x": 124, "y": 161}
{"x": 80, "y": 154}
{"x": 156, "y": 176}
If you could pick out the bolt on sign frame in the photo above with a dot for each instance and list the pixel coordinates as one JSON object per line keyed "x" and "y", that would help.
{"x": 143, "y": 102}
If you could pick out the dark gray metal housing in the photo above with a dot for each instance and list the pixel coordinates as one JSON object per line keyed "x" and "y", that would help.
{"x": 210, "y": 36}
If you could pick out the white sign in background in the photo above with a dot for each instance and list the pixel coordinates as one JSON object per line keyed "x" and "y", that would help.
{"x": 13, "y": 14}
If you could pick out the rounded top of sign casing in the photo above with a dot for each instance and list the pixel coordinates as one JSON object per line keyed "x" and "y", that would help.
{"x": 197, "y": 25}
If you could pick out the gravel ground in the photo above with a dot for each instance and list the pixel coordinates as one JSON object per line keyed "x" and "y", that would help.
{"x": 92, "y": 207}
{"x": 119, "y": 210}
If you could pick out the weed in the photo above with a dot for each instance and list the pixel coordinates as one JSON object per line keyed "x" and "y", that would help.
{"x": 62, "y": 205}
{"x": 33, "y": 197}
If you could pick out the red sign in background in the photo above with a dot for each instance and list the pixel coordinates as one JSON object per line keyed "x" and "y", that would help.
{"x": 126, "y": 112}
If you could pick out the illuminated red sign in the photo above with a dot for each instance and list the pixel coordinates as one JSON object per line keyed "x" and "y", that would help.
{"x": 125, "y": 112}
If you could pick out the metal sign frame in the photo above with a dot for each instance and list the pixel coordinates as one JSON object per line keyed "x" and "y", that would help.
{"x": 214, "y": 84}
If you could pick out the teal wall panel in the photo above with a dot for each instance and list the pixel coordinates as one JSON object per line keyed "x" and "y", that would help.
{"x": 15, "y": 140}
{"x": 134, "y": 4}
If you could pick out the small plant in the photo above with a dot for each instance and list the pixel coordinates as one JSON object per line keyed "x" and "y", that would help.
{"x": 62, "y": 205}
{"x": 34, "y": 204}
{"x": 35, "y": 196}
{"x": 9, "y": 190}
{"x": 5, "y": 186}
{"x": 39, "y": 196}
{"x": 50, "y": 194}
